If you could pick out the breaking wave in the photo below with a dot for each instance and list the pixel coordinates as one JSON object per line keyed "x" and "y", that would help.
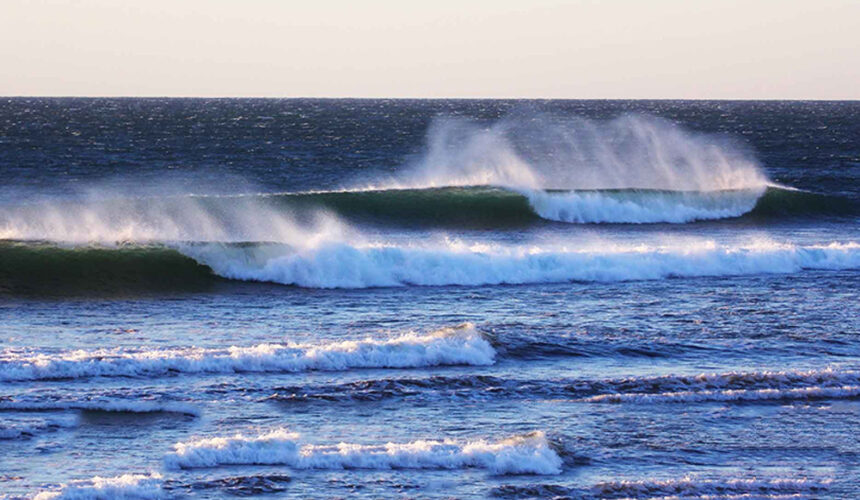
{"x": 497, "y": 207}
{"x": 127, "y": 486}
{"x": 526, "y": 454}
{"x": 120, "y": 270}
{"x": 348, "y": 266}
{"x": 462, "y": 345}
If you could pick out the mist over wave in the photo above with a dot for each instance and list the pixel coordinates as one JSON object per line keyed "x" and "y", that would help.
{"x": 574, "y": 153}
{"x": 108, "y": 217}
{"x": 633, "y": 169}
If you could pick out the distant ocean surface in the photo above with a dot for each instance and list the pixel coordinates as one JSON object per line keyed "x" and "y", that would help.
{"x": 206, "y": 298}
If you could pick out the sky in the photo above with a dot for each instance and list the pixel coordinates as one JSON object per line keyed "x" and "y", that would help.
{"x": 577, "y": 49}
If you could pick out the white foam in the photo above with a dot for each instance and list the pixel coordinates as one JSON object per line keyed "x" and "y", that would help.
{"x": 641, "y": 207}
{"x": 358, "y": 266}
{"x": 108, "y": 405}
{"x": 528, "y": 454}
{"x": 127, "y": 486}
{"x": 462, "y": 345}
{"x": 693, "y": 487}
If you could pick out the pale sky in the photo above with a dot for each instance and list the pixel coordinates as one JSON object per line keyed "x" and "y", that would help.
{"x": 696, "y": 49}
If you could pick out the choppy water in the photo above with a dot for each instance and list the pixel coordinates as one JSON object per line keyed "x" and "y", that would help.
{"x": 468, "y": 299}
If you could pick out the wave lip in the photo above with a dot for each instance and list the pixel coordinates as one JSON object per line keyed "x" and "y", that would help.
{"x": 462, "y": 345}
{"x": 127, "y": 486}
{"x": 346, "y": 266}
{"x": 527, "y": 454}
{"x": 692, "y": 487}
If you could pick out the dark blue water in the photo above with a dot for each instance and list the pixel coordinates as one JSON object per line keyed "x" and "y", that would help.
{"x": 394, "y": 298}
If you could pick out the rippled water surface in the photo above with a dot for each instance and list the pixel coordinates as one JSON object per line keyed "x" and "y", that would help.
{"x": 429, "y": 299}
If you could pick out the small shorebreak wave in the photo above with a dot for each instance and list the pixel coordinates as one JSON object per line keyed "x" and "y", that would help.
{"x": 525, "y": 454}
{"x": 461, "y": 345}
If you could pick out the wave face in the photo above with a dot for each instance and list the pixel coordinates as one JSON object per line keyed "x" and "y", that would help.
{"x": 462, "y": 345}
{"x": 527, "y": 454}
{"x": 127, "y": 486}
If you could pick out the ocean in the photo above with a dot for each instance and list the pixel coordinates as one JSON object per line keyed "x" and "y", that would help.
{"x": 310, "y": 298}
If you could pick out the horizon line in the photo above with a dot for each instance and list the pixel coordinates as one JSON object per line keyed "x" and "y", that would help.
{"x": 402, "y": 98}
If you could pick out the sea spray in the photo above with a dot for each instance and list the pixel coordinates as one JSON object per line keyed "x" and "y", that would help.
{"x": 574, "y": 153}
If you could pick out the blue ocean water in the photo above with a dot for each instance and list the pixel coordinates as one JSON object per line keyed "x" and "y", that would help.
{"x": 206, "y": 298}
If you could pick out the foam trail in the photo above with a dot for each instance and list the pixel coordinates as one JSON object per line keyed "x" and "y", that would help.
{"x": 528, "y": 454}
{"x": 127, "y": 486}
{"x": 462, "y": 345}
{"x": 107, "y": 405}
{"x": 347, "y": 266}
{"x": 642, "y": 207}
{"x": 693, "y": 487}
